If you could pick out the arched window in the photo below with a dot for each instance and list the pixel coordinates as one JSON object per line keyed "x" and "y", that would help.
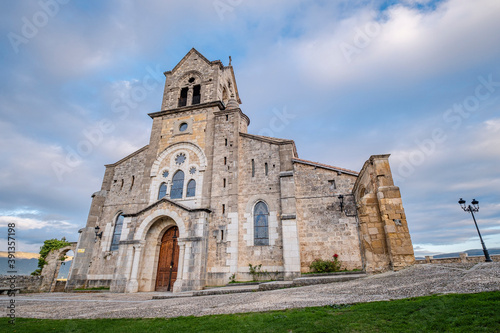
{"x": 196, "y": 94}
{"x": 177, "y": 185}
{"x": 117, "y": 233}
{"x": 191, "y": 188}
{"x": 163, "y": 191}
{"x": 260, "y": 222}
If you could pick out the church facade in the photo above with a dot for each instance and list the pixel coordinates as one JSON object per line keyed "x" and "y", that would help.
{"x": 205, "y": 199}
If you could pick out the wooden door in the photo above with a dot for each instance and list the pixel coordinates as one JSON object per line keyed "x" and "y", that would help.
{"x": 168, "y": 261}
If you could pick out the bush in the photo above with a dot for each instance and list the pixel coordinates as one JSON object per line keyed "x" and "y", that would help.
{"x": 326, "y": 266}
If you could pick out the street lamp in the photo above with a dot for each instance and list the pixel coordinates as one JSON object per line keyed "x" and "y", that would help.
{"x": 97, "y": 233}
{"x": 472, "y": 209}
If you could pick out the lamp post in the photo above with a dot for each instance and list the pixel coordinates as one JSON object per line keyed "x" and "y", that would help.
{"x": 472, "y": 209}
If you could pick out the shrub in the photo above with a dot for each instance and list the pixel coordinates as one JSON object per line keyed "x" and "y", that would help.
{"x": 326, "y": 266}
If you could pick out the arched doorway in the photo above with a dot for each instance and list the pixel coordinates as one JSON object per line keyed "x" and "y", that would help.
{"x": 168, "y": 260}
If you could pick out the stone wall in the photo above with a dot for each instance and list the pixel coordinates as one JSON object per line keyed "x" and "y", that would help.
{"x": 385, "y": 237}
{"x": 464, "y": 258}
{"x": 26, "y": 283}
{"x": 323, "y": 229}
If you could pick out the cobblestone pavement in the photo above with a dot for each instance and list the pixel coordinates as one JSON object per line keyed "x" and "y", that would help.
{"x": 418, "y": 280}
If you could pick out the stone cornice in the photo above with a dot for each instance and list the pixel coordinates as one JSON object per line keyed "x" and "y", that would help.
{"x": 191, "y": 210}
{"x": 187, "y": 108}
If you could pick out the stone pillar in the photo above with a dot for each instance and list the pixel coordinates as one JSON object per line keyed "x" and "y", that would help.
{"x": 133, "y": 285}
{"x": 290, "y": 237}
{"x": 180, "y": 268}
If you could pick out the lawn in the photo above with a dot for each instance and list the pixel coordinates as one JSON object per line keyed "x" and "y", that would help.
{"x": 438, "y": 313}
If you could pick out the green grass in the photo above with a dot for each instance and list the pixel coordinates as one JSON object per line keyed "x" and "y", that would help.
{"x": 445, "y": 313}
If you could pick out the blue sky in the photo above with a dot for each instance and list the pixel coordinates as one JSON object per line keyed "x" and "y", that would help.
{"x": 417, "y": 79}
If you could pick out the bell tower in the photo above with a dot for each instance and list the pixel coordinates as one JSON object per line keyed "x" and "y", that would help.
{"x": 196, "y": 80}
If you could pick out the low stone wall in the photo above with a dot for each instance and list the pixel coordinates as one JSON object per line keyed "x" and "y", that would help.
{"x": 26, "y": 283}
{"x": 464, "y": 258}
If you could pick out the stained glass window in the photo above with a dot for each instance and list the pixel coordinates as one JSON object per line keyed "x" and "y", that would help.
{"x": 117, "y": 233}
{"x": 177, "y": 185}
{"x": 261, "y": 229}
{"x": 191, "y": 188}
{"x": 180, "y": 158}
{"x": 163, "y": 191}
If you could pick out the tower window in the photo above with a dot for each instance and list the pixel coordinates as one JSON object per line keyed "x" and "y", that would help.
{"x": 183, "y": 97}
{"x": 225, "y": 160}
{"x": 177, "y": 185}
{"x": 183, "y": 127}
{"x": 266, "y": 168}
{"x": 223, "y": 209}
{"x": 191, "y": 188}
{"x": 196, "y": 94}
{"x": 163, "y": 191}
{"x": 227, "y": 117}
{"x": 117, "y": 233}
{"x": 224, "y": 182}
{"x": 253, "y": 168}
{"x": 225, "y": 140}
{"x": 191, "y": 80}
{"x": 132, "y": 185}
{"x": 260, "y": 222}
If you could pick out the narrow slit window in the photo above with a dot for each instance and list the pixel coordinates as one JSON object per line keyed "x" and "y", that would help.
{"x": 196, "y": 94}
{"x": 223, "y": 208}
{"x": 266, "y": 168}
{"x": 225, "y": 142}
{"x": 132, "y": 185}
{"x": 222, "y": 235}
{"x": 183, "y": 97}
{"x": 225, "y": 160}
{"x": 227, "y": 117}
{"x": 253, "y": 168}
{"x": 224, "y": 182}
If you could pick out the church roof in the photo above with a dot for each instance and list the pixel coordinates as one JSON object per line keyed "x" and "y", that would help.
{"x": 271, "y": 140}
{"x": 325, "y": 166}
{"x": 127, "y": 157}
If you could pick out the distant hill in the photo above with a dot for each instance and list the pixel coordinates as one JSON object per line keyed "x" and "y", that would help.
{"x": 20, "y": 255}
{"x": 27, "y": 262}
{"x": 470, "y": 253}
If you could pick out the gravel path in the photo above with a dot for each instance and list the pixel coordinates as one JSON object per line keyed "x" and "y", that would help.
{"x": 418, "y": 280}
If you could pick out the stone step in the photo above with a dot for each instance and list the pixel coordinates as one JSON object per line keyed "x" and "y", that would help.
{"x": 273, "y": 285}
{"x": 306, "y": 281}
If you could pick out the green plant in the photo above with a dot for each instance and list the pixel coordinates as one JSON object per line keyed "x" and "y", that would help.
{"x": 49, "y": 245}
{"x": 232, "y": 278}
{"x": 326, "y": 266}
{"x": 255, "y": 271}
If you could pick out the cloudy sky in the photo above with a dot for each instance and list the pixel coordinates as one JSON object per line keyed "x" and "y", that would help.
{"x": 418, "y": 79}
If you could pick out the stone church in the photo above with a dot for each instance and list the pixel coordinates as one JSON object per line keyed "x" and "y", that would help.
{"x": 204, "y": 199}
